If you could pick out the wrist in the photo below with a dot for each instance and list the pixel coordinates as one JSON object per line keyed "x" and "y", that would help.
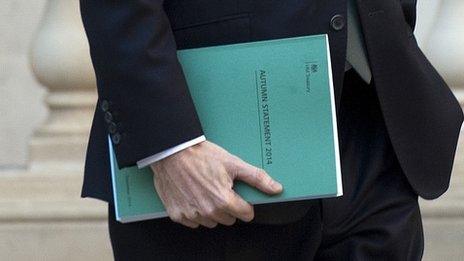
{"x": 176, "y": 158}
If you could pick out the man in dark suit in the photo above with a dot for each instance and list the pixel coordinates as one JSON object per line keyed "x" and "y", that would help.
{"x": 398, "y": 129}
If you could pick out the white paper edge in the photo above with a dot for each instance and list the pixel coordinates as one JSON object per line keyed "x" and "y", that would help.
{"x": 334, "y": 122}
{"x": 113, "y": 178}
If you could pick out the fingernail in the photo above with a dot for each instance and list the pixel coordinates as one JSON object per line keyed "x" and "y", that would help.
{"x": 276, "y": 186}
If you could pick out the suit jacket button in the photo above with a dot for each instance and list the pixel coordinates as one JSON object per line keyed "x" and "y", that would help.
{"x": 108, "y": 117}
{"x": 116, "y": 138}
{"x": 337, "y": 22}
{"x": 112, "y": 128}
{"x": 105, "y": 105}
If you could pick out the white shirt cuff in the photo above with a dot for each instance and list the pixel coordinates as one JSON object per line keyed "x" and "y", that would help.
{"x": 166, "y": 153}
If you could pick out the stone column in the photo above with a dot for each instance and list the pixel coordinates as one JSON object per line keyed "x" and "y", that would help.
{"x": 443, "y": 44}
{"x": 60, "y": 60}
{"x": 445, "y": 49}
{"x": 42, "y": 216}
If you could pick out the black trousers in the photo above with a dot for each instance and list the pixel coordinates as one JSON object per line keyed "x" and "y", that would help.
{"x": 378, "y": 217}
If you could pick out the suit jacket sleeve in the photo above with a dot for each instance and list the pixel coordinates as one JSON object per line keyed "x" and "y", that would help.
{"x": 147, "y": 105}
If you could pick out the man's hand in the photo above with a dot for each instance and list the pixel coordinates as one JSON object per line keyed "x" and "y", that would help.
{"x": 195, "y": 186}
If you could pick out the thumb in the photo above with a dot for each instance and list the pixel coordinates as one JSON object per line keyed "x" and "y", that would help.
{"x": 255, "y": 177}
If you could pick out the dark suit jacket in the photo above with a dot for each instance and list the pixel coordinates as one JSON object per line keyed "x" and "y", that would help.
{"x": 145, "y": 106}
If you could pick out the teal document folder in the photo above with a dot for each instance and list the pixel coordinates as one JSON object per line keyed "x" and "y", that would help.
{"x": 269, "y": 102}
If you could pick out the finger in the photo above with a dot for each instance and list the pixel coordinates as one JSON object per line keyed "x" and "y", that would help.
{"x": 225, "y": 219}
{"x": 222, "y": 217}
{"x": 189, "y": 223}
{"x": 206, "y": 222}
{"x": 256, "y": 177}
{"x": 202, "y": 220}
{"x": 239, "y": 208}
{"x": 184, "y": 221}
